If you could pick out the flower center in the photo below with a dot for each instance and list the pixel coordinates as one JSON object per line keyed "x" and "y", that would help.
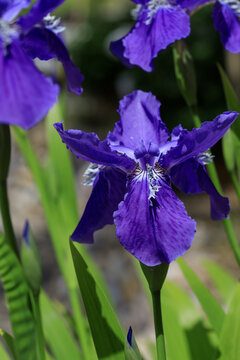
{"x": 155, "y": 175}
{"x": 233, "y": 4}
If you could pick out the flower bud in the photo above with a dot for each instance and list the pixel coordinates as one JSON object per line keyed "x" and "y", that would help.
{"x": 31, "y": 260}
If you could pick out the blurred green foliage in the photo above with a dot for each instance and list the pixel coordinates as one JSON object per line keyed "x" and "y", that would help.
{"x": 97, "y": 23}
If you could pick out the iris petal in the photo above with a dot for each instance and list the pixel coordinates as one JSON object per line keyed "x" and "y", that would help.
{"x": 143, "y": 43}
{"x": 39, "y": 10}
{"x": 45, "y": 44}
{"x": 88, "y": 147}
{"x": 191, "y": 177}
{"x": 10, "y": 9}
{"x": 191, "y": 4}
{"x": 153, "y": 231}
{"x": 108, "y": 190}
{"x": 26, "y": 95}
{"x": 140, "y": 122}
{"x": 197, "y": 141}
{"x": 228, "y": 24}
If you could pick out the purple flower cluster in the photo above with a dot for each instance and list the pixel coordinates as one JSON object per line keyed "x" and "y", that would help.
{"x": 132, "y": 172}
{"x": 161, "y": 22}
{"x": 26, "y": 95}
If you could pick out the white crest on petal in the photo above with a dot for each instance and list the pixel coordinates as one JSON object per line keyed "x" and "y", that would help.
{"x": 53, "y": 23}
{"x": 7, "y": 33}
{"x": 153, "y": 6}
{"x": 135, "y": 12}
{"x": 90, "y": 174}
{"x": 206, "y": 158}
{"x": 154, "y": 174}
{"x": 233, "y": 4}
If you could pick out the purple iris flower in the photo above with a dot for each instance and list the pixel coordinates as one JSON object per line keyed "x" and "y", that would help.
{"x": 159, "y": 23}
{"x": 26, "y": 94}
{"x": 131, "y": 175}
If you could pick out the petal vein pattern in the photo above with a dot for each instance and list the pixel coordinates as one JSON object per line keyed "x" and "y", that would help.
{"x": 157, "y": 232}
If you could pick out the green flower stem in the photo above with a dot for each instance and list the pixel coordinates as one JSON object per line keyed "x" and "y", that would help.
{"x": 5, "y": 154}
{"x": 38, "y": 326}
{"x": 215, "y": 179}
{"x": 235, "y": 184}
{"x": 155, "y": 276}
{"x": 158, "y": 324}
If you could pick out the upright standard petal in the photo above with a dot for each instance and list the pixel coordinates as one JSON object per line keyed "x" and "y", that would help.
{"x": 227, "y": 22}
{"x": 45, "y": 44}
{"x": 108, "y": 190}
{"x": 10, "y": 8}
{"x": 40, "y": 9}
{"x": 140, "y": 122}
{"x": 197, "y": 141}
{"x": 153, "y": 231}
{"x": 148, "y": 37}
{"x": 88, "y": 147}
{"x": 191, "y": 177}
{"x": 26, "y": 95}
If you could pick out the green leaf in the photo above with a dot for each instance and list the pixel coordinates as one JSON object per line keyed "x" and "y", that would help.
{"x": 228, "y": 146}
{"x": 57, "y": 334}
{"x": 3, "y": 354}
{"x": 107, "y": 334}
{"x": 60, "y": 226}
{"x": 186, "y": 328}
{"x": 222, "y": 280}
{"x": 208, "y": 302}
{"x": 9, "y": 340}
{"x": 231, "y": 99}
{"x": 61, "y": 170}
{"x": 230, "y": 335}
{"x": 16, "y": 290}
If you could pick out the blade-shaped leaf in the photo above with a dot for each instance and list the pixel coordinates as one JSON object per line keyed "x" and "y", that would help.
{"x": 223, "y": 281}
{"x": 9, "y": 340}
{"x": 208, "y": 302}
{"x": 228, "y": 146}
{"x": 230, "y": 335}
{"x": 231, "y": 99}
{"x": 60, "y": 227}
{"x": 3, "y": 354}
{"x": 107, "y": 334}
{"x": 16, "y": 290}
{"x": 57, "y": 334}
{"x": 189, "y": 332}
{"x": 61, "y": 169}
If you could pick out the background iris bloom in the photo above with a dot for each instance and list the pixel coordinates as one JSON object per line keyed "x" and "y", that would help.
{"x": 26, "y": 95}
{"x": 136, "y": 164}
{"x": 161, "y": 22}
